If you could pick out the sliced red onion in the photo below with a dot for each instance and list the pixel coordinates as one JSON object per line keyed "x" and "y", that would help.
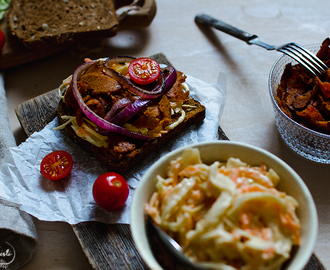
{"x": 170, "y": 76}
{"x": 131, "y": 110}
{"x": 92, "y": 115}
{"x": 157, "y": 91}
{"x": 118, "y": 105}
{"x": 120, "y": 59}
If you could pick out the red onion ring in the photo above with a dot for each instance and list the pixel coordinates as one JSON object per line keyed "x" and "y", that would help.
{"x": 92, "y": 115}
{"x": 131, "y": 110}
{"x": 157, "y": 91}
{"x": 118, "y": 105}
{"x": 170, "y": 77}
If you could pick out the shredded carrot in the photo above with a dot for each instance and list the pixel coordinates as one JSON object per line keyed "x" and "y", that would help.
{"x": 292, "y": 226}
{"x": 248, "y": 188}
{"x": 266, "y": 234}
{"x": 268, "y": 253}
{"x": 246, "y": 219}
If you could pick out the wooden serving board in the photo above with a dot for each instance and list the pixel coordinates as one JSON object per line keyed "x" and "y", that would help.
{"x": 106, "y": 246}
{"x": 14, "y": 53}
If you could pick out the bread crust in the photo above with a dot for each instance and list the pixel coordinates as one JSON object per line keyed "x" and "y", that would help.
{"x": 38, "y": 23}
{"x": 120, "y": 165}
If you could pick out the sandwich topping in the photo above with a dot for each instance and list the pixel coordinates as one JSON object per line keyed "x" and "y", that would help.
{"x": 107, "y": 108}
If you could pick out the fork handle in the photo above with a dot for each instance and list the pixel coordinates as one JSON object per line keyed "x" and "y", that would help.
{"x": 224, "y": 27}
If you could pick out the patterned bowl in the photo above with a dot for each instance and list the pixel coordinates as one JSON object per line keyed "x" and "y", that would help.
{"x": 310, "y": 144}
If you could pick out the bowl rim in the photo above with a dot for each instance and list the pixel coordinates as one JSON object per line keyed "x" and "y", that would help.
{"x": 147, "y": 255}
{"x": 275, "y": 104}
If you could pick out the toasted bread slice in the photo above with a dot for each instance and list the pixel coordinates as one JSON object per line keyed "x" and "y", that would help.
{"x": 38, "y": 23}
{"x": 144, "y": 148}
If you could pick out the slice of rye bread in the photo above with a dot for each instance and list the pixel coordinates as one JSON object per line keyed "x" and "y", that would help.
{"x": 120, "y": 165}
{"x": 38, "y": 23}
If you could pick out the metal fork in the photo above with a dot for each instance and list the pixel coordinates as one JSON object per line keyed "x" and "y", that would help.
{"x": 307, "y": 59}
{"x": 304, "y": 57}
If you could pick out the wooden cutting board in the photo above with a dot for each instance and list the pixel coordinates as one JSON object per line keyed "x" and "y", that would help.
{"x": 106, "y": 246}
{"x": 14, "y": 53}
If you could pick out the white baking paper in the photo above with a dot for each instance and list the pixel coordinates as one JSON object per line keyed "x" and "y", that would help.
{"x": 70, "y": 199}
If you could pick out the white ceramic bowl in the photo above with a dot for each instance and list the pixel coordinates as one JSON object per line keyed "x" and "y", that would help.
{"x": 290, "y": 183}
{"x": 310, "y": 144}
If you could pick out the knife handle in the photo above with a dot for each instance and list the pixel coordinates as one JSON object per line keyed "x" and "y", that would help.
{"x": 224, "y": 27}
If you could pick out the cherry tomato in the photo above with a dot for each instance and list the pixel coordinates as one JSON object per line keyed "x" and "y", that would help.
{"x": 56, "y": 165}
{"x": 2, "y": 40}
{"x": 143, "y": 70}
{"x": 110, "y": 191}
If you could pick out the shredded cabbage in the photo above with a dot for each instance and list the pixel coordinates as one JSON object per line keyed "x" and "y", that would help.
{"x": 85, "y": 131}
{"x": 226, "y": 215}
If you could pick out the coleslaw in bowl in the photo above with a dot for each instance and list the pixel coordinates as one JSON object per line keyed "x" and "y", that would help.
{"x": 227, "y": 155}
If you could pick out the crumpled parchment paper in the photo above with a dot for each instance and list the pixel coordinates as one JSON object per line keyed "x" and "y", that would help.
{"x": 70, "y": 199}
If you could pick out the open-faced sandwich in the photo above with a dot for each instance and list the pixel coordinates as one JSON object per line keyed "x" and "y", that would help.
{"x": 122, "y": 109}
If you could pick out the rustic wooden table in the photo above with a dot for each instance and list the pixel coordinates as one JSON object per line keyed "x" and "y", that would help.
{"x": 202, "y": 53}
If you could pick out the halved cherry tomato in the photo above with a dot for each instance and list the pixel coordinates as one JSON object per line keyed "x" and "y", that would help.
{"x": 56, "y": 165}
{"x": 143, "y": 70}
{"x": 2, "y": 40}
{"x": 110, "y": 191}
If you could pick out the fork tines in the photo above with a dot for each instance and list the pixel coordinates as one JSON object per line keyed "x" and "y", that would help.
{"x": 304, "y": 57}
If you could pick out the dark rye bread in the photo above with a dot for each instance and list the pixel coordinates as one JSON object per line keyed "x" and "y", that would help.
{"x": 113, "y": 163}
{"x": 38, "y": 23}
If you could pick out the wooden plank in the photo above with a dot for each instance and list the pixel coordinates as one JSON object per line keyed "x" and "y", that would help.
{"x": 106, "y": 246}
{"x": 35, "y": 113}
{"x": 314, "y": 263}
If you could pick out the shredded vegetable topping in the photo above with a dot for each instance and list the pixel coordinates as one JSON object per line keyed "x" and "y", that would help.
{"x": 226, "y": 215}
{"x": 86, "y": 131}
{"x": 62, "y": 88}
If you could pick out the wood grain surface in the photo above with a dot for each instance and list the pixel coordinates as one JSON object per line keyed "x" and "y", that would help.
{"x": 106, "y": 246}
{"x": 14, "y": 53}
